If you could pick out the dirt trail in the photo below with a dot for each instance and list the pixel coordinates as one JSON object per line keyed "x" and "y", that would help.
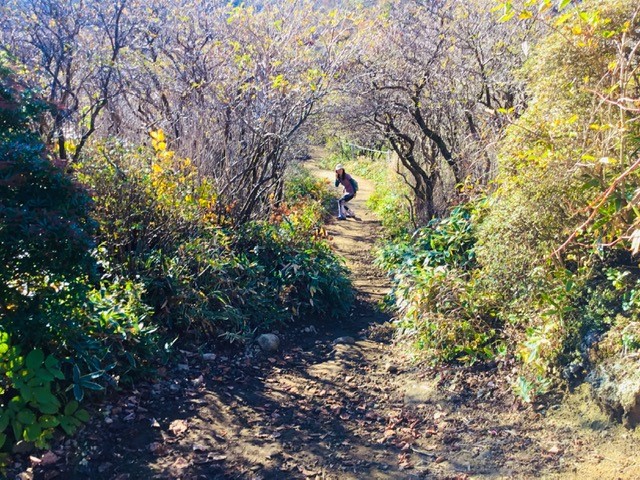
{"x": 353, "y": 409}
{"x": 312, "y": 410}
{"x": 354, "y": 239}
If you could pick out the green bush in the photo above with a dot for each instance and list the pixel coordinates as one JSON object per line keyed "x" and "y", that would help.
{"x": 34, "y": 409}
{"x": 64, "y": 329}
{"x": 160, "y": 221}
{"x": 45, "y": 227}
{"x": 302, "y": 188}
{"x": 435, "y": 289}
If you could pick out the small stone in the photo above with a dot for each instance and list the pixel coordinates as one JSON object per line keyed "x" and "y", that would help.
{"x": 268, "y": 342}
{"x": 344, "y": 341}
{"x": 209, "y": 357}
{"x": 391, "y": 368}
{"x": 49, "y": 458}
{"x": 216, "y": 458}
{"x": 421, "y": 393}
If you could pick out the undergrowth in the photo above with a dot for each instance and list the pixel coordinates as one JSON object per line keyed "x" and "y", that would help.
{"x": 105, "y": 264}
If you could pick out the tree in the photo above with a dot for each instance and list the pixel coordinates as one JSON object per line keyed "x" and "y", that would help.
{"x": 71, "y": 49}
{"x": 435, "y": 87}
{"x": 255, "y": 77}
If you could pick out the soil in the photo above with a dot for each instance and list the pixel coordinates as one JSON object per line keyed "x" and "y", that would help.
{"x": 338, "y": 401}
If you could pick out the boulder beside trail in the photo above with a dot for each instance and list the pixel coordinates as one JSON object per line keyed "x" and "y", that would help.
{"x": 269, "y": 342}
{"x": 615, "y": 386}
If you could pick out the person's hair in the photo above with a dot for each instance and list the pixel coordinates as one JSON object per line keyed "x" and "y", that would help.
{"x": 341, "y": 176}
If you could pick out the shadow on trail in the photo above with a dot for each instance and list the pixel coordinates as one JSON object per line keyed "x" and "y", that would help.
{"x": 312, "y": 409}
{"x": 295, "y": 414}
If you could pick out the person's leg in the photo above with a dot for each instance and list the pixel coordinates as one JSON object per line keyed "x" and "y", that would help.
{"x": 341, "y": 209}
{"x": 349, "y": 211}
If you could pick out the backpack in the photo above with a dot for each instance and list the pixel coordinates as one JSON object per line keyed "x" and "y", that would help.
{"x": 354, "y": 184}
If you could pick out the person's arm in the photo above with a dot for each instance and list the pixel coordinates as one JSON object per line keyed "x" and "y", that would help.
{"x": 337, "y": 181}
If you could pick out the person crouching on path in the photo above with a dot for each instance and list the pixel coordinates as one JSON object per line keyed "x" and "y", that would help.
{"x": 344, "y": 179}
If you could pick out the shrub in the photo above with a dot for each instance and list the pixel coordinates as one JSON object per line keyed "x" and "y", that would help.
{"x": 45, "y": 227}
{"x": 560, "y": 179}
{"x": 302, "y": 188}
{"x": 64, "y": 329}
{"x": 161, "y": 221}
{"x": 435, "y": 289}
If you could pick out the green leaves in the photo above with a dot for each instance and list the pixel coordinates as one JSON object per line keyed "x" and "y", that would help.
{"x": 34, "y": 360}
{"x": 434, "y": 289}
{"x": 562, "y": 4}
{"x": 26, "y": 417}
{"x": 84, "y": 382}
{"x": 34, "y": 409}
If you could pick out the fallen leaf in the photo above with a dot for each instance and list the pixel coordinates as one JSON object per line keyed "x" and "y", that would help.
{"x": 404, "y": 462}
{"x": 178, "y": 426}
{"x": 180, "y": 464}
{"x": 216, "y": 457}
{"x": 555, "y": 450}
